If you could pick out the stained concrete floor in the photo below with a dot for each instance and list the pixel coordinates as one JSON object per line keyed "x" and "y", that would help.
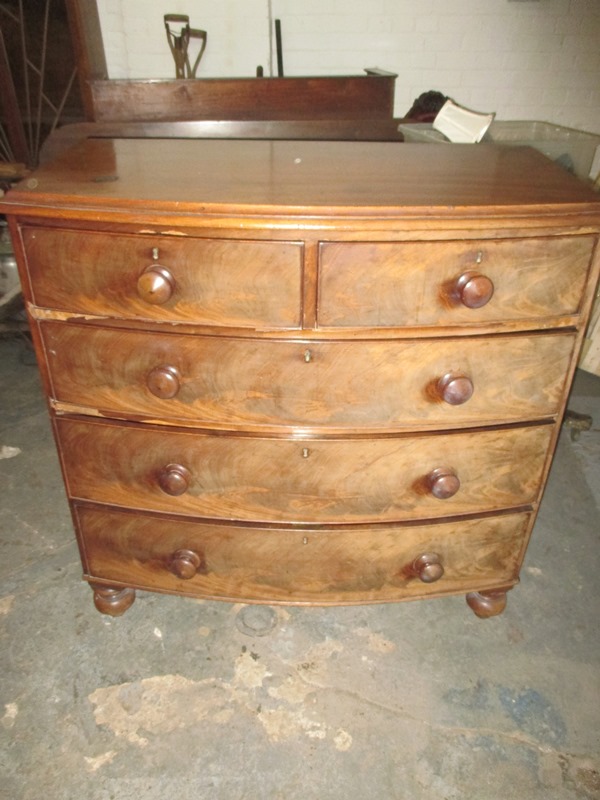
{"x": 183, "y": 699}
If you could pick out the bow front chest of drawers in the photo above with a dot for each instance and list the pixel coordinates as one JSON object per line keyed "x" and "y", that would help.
{"x": 305, "y": 372}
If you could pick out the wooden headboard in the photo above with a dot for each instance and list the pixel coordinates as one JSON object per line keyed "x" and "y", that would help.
{"x": 369, "y": 96}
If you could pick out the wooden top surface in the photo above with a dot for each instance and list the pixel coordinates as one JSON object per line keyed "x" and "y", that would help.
{"x": 300, "y": 177}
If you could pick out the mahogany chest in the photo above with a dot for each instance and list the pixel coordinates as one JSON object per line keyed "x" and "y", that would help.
{"x": 305, "y": 372}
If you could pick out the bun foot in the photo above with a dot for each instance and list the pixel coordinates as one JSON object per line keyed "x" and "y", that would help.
{"x": 112, "y": 601}
{"x": 487, "y": 604}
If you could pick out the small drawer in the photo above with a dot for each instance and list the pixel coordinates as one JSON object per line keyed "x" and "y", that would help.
{"x": 315, "y": 481}
{"x": 387, "y": 385}
{"x": 246, "y": 284}
{"x": 451, "y": 283}
{"x": 349, "y": 565}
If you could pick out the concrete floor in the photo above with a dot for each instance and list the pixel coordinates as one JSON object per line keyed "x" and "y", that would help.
{"x": 182, "y": 699}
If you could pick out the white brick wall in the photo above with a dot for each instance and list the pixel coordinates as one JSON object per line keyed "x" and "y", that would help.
{"x": 523, "y": 59}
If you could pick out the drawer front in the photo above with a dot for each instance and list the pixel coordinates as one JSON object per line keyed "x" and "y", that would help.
{"x": 308, "y": 566}
{"x": 315, "y": 481}
{"x": 365, "y": 386}
{"x": 428, "y": 283}
{"x": 204, "y": 281}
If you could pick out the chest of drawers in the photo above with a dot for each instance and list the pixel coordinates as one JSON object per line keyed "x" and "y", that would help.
{"x": 305, "y": 372}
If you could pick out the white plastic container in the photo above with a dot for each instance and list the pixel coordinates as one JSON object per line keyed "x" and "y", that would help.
{"x": 576, "y": 150}
{"x": 421, "y": 132}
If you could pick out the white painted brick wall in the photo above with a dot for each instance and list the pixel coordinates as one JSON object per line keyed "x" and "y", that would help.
{"x": 523, "y": 59}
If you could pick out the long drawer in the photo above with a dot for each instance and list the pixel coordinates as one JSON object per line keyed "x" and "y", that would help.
{"x": 316, "y": 481}
{"x": 248, "y": 284}
{"x": 362, "y": 385}
{"x": 451, "y": 283}
{"x": 352, "y": 565}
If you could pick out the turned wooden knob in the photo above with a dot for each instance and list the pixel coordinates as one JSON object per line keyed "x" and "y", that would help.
{"x": 163, "y": 382}
{"x": 174, "y": 479}
{"x": 473, "y": 289}
{"x": 428, "y": 567}
{"x": 443, "y": 482}
{"x": 185, "y": 564}
{"x": 156, "y": 285}
{"x": 455, "y": 389}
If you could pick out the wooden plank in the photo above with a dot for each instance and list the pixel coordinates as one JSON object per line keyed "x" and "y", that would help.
{"x": 86, "y": 35}
{"x": 328, "y": 178}
{"x": 362, "y": 130}
{"x": 347, "y": 97}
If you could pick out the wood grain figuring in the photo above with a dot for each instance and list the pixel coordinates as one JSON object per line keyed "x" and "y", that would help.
{"x": 304, "y": 179}
{"x": 367, "y": 129}
{"x": 304, "y": 372}
{"x": 361, "y": 565}
{"x": 280, "y": 480}
{"x": 342, "y": 97}
{"x": 247, "y": 283}
{"x": 86, "y": 38}
{"x": 379, "y": 284}
{"x": 340, "y": 386}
